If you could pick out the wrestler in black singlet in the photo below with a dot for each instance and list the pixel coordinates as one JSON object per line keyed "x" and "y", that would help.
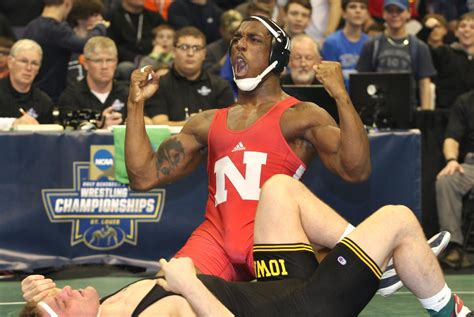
{"x": 342, "y": 286}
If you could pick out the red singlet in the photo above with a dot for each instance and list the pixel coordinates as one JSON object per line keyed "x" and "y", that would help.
{"x": 239, "y": 163}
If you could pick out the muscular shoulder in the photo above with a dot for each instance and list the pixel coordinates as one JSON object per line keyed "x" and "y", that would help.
{"x": 303, "y": 119}
{"x": 307, "y": 114}
{"x": 199, "y": 124}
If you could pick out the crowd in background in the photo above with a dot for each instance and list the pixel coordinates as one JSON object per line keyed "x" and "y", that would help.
{"x": 61, "y": 60}
{"x": 143, "y": 33}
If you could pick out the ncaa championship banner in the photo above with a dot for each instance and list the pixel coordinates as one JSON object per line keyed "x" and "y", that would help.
{"x": 60, "y": 203}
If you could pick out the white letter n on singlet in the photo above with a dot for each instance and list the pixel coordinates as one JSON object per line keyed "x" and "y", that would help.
{"x": 248, "y": 187}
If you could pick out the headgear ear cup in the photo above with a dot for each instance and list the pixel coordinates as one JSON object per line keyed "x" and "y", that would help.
{"x": 280, "y": 50}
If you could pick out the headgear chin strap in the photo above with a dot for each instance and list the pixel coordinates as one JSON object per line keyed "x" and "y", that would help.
{"x": 279, "y": 54}
{"x": 48, "y": 309}
{"x": 249, "y": 84}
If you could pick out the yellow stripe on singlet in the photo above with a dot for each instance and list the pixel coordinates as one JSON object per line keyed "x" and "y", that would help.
{"x": 282, "y": 247}
{"x": 363, "y": 256}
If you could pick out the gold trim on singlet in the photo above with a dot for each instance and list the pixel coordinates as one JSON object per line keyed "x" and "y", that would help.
{"x": 363, "y": 256}
{"x": 283, "y": 247}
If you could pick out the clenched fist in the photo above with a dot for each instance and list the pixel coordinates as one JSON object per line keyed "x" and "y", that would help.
{"x": 330, "y": 75}
{"x": 144, "y": 83}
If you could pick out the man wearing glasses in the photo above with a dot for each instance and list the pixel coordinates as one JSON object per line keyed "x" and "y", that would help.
{"x": 304, "y": 55}
{"x": 98, "y": 91}
{"x": 22, "y": 103}
{"x": 187, "y": 89}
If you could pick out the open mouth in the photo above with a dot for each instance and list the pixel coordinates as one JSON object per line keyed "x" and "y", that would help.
{"x": 240, "y": 67}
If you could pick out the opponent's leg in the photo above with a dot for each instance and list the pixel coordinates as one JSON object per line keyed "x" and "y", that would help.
{"x": 286, "y": 207}
{"x": 288, "y": 212}
{"x": 413, "y": 259}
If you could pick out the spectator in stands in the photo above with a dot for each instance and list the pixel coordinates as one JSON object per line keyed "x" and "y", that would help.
{"x": 187, "y": 89}
{"x": 395, "y": 50}
{"x": 304, "y": 55}
{"x": 345, "y": 45}
{"x": 20, "y": 13}
{"x": 435, "y": 31}
{"x": 260, "y": 7}
{"x": 456, "y": 179}
{"x": 21, "y": 102}
{"x": 5, "y": 28}
{"x": 374, "y": 29}
{"x": 110, "y": 6}
{"x": 325, "y": 18}
{"x": 267, "y": 8}
{"x": 455, "y": 64}
{"x": 58, "y": 41}
{"x": 202, "y": 14}
{"x": 83, "y": 16}
{"x": 98, "y": 91}
{"x": 5, "y": 46}
{"x": 161, "y": 57}
{"x": 160, "y": 6}
{"x": 450, "y": 10}
{"x": 296, "y": 16}
{"x": 228, "y": 4}
{"x": 376, "y": 10}
{"x": 131, "y": 28}
{"x": 216, "y": 52}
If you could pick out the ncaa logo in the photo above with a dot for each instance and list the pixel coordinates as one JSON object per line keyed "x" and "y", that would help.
{"x": 103, "y": 160}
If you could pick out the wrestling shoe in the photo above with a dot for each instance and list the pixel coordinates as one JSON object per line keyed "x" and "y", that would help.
{"x": 459, "y": 309}
{"x": 390, "y": 282}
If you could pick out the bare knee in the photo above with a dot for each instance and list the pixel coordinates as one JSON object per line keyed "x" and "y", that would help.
{"x": 399, "y": 216}
{"x": 278, "y": 186}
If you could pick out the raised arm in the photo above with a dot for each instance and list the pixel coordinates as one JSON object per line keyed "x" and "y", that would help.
{"x": 345, "y": 149}
{"x": 176, "y": 157}
{"x": 181, "y": 279}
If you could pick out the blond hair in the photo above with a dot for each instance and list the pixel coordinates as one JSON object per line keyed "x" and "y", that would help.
{"x": 99, "y": 43}
{"x": 25, "y": 45}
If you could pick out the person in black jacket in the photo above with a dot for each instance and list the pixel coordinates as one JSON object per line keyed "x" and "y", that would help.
{"x": 58, "y": 41}
{"x": 455, "y": 64}
{"x": 202, "y": 14}
{"x": 131, "y": 28}
{"x": 20, "y": 102}
{"x": 99, "y": 91}
{"x": 456, "y": 178}
{"x": 187, "y": 89}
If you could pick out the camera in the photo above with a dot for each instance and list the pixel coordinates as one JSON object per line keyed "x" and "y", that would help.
{"x": 83, "y": 119}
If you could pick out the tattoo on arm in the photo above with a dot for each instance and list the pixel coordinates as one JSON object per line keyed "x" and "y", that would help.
{"x": 169, "y": 155}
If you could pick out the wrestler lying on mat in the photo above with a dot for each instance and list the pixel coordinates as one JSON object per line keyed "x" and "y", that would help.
{"x": 291, "y": 283}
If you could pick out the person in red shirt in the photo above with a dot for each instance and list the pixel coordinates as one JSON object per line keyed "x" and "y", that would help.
{"x": 376, "y": 9}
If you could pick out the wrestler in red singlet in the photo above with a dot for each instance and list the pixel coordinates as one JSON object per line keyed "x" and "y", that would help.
{"x": 239, "y": 163}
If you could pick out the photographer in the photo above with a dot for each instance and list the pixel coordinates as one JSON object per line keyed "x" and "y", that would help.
{"x": 22, "y": 103}
{"x": 98, "y": 93}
